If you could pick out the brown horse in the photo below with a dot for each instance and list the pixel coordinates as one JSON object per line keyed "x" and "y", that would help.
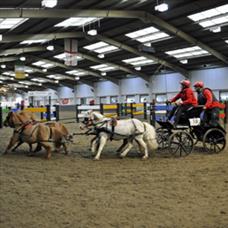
{"x": 29, "y": 131}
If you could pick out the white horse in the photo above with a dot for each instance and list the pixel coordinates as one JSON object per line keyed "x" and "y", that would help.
{"x": 128, "y": 130}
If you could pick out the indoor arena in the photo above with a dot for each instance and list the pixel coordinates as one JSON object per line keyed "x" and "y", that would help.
{"x": 113, "y": 113}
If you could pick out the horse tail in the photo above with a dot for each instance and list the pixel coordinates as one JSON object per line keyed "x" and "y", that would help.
{"x": 149, "y": 137}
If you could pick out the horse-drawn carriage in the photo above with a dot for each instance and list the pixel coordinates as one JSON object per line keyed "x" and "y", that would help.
{"x": 190, "y": 130}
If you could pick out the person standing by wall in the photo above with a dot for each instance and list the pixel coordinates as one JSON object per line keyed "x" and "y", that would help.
{"x": 22, "y": 105}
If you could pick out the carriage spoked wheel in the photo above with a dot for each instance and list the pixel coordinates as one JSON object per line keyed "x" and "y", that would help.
{"x": 162, "y": 137}
{"x": 180, "y": 144}
{"x": 214, "y": 140}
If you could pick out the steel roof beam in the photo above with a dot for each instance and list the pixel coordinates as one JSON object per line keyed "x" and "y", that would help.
{"x": 17, "y": 51}
{"x": 66, "y": 13}
{"x": 46, "y": 36}
{"x": 8, "y": 59}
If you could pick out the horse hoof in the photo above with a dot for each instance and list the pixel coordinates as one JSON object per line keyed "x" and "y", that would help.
{"x": 144, "y": 157}
{"x": 122, "y": 155}
{"x": 48, "y": 157}
{"x": 96, "y": 159}
{"x": 30, "y": 154}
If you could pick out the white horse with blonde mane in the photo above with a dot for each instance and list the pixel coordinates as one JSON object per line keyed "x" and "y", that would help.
{"x": 128, "y": 130}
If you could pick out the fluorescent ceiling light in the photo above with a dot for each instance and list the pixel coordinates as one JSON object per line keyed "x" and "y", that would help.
{"x": 77, "y": 78}
{"x": 76, "y": 72}
{"x": 25, "y": 82}
{"x": 29, "y": 69}
{"x": 92, "y": 32}
{"x": 101, "y": 48}
{"x": 212, "y": 17}
{"x": 3, "y": 66}
{"x": 11, "y": 23}
{"x": 226, "y": 41}
{"x": 103, "y": 73}
{"x": 161, "y": 7}
{"x": 49, "y": 3}
{"x": 149, "y": 34}
{"x": 9, "y": 73}
{"x": 41, "y": 80}
{"x": 77, "y": 21}
{"x": 43, "y": 64}
{"x": 188, "y": 53}
{"x": 103, "y": 67}
{"x": 139, "y": 61}
{"x": 0, "y": 37}
{"x": 4, "y": 78}
{"x": 33, "y": 41}
{"x": 62, "y": 56}
{"x": 56, "y": 76}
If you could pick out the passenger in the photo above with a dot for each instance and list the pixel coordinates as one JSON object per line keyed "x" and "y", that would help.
{"x": 211, "y": 105}
{"x": 187, "y": 100}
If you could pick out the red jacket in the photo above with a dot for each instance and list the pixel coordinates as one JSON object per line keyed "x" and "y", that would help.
{"x": 210, "y": 102}
{"x": 187, "y": 96}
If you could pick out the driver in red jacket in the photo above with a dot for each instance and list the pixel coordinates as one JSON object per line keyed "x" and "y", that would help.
{"x": 187, "y": 100}
{"x": 211, "y": 105}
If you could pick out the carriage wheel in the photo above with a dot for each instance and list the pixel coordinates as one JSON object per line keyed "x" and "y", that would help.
{"x": 180, "y": 144}
{"x": 162, "y": 137}
{"x": 214, "y": 140}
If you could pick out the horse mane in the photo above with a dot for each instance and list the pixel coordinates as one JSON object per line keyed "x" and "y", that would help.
{"x": 98, "y": 116}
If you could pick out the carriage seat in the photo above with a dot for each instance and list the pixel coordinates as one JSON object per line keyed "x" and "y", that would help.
{"x": 192, "y": 112}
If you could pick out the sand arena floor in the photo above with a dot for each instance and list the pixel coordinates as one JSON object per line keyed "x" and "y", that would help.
{"x": 74, "y": 191}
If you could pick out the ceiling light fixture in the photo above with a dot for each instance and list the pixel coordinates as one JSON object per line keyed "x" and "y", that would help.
{"x": 103, "y": 73}
{"x": 138, "y": 68}
{"x": 215, "y": 29}
{"x": 49, "y": 3}
{"x": 77, "y": 78}
{"x": 161, "y": 7}
{"x": 92, "y": 32}
{"x": 50, "y": 48}
{"x": 3, "y": 66}
{"x": 101, "y": 56}
{"x": 44, "y": 70}
{"x": 184, "y": 61}
{"x": 22, "y": 58}
{"x": 0, "y": 37}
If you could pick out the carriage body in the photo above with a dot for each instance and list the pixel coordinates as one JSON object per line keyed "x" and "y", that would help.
{"x": 181, "y": 139}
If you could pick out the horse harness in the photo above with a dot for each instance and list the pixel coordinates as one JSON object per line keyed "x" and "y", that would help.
{"x": 104, "y": 128}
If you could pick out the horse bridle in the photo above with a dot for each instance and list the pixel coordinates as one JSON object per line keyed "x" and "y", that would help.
{"x": 9, "y": 121}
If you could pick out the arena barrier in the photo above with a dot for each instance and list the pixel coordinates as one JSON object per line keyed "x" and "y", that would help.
{"x": 42, "y": 113}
